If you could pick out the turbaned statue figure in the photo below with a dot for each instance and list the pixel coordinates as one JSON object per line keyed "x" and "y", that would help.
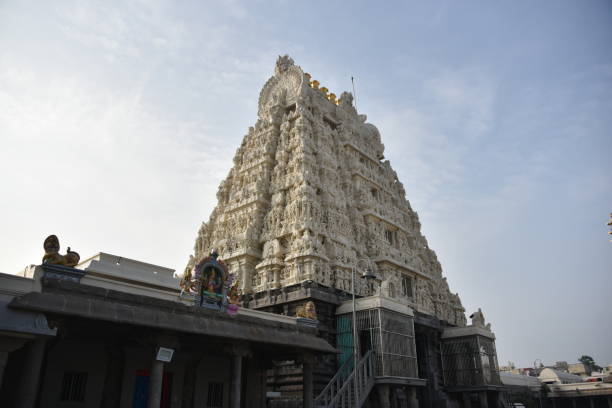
{"x": 53, "y": 257}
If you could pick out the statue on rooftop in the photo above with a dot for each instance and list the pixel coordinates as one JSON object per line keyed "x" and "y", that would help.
{"x": 478, "y": 319}
{"x": 53, "y": 257}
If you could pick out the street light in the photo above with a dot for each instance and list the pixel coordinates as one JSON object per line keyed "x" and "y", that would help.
{"x": 367, "y": 274}
{"x": 536, "y": 371}
{"x": 535, "y": 367}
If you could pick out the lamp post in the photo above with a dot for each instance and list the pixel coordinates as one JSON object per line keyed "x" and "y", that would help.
{"x": 536, "y": 371}
{"x": 535, "y": 367}
{"x": 367, "y": 274}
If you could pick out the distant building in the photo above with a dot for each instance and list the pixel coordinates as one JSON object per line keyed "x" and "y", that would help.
{"x": 556, "y": 389}
{"x": 552, "y": 376}
{"x": 584, "y": 394}
{"x": 530, "y": 371}
{"x": 562, "y": 366}
{"x": 578, "y": 369}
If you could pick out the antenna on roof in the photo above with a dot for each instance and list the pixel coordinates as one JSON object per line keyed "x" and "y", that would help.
{"x": 354, "y": 94}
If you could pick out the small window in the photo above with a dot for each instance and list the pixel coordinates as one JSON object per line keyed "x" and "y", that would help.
{"x": 73, "y": 386}
{"x": 407, "y": 286}
{"x": 391, "y": 290}
{"x": 389, "y": 236}
{"x": 215, "y": 395}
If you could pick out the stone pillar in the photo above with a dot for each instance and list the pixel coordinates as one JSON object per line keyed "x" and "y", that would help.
{"x": 7, "y": 346}
{"x": 276, "y": 276}
{"x": 467, "y": 401}
{"x": 413, "y": 401}
{"x": 247, "y": 268}
{"x": 554, "y": 402}
{"x": 237, "y": 352}
{"x": 155, "y": 383}
{"x": 573, "y": 402}
{"x": 484, "y": 402}
{"x": 113, "y": 379}
{"x": 307, "y": 380}
{"x": 3, "y": 359}
{"x": 30, "y": 379}
{"x": 236, "y": 383}
{"x": 383, "y": 396}
{"x": 609, "y": 402}
{"x": 592, "y": 401}
{"x": 263, "y": 377}
{"x": 189, "y": 382}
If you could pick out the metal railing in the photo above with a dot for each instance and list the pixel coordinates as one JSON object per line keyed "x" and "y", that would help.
{"x": 349, "y": 388}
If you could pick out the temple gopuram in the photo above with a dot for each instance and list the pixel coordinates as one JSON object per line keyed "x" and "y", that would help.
{"x": 308, "y": 209}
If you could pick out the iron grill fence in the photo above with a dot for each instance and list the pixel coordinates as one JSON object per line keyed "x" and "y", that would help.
{"x": 470, "y": 361}
{"x": 390, "y": 335}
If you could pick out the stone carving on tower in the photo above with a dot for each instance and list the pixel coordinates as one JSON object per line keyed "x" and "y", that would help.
{"x": 310, "y": 193}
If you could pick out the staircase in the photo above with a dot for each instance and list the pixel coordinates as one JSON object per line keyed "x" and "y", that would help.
{"x": 349, "y": 388}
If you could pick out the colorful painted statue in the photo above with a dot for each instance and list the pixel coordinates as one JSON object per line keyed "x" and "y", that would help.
{"x": 307, "y": 311}
{"x": 234, "y": 299}
{"x": 53, "y": 257}
{"x": 234, "y": 294}
{"x": 187, "y": 283}
{"x": 211, "y": 284}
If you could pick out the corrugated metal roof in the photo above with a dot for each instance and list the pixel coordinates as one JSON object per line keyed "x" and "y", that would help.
{"x": 519, "y": 380}
{"x": 549, "y": 374}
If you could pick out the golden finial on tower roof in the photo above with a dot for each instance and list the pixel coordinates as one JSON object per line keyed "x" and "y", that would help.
{"x": 332, "y": 98}
{"x": 315, "y": 84}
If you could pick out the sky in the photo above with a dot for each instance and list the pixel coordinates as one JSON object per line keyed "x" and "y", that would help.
{"x": 119, "y": 120}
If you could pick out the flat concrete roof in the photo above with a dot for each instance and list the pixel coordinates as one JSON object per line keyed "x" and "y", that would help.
{"x": 74, "y": 299}
{"x": 374, "y": 302}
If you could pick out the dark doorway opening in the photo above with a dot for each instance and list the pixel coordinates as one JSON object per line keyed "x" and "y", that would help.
{"x": 365, "y": 341}
{"x": 141, "y": 390}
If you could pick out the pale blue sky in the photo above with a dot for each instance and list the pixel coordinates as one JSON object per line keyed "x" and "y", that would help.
{"x": 118, "y": 121}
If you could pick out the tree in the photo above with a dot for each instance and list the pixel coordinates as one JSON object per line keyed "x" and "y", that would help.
{"x": 589, "y": 364}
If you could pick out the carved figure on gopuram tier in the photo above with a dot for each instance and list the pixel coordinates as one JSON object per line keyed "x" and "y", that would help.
{"x": 283, "y": 63}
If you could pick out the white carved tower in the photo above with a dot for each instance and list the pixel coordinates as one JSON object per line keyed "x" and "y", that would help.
{"x": 310, "y": 194}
